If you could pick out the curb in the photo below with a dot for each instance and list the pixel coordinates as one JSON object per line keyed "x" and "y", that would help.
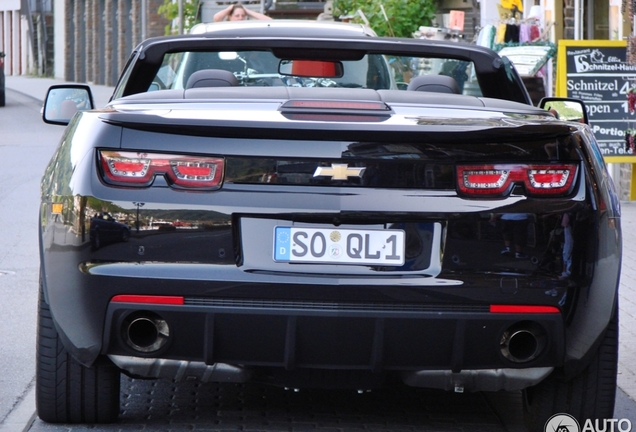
{"x": 21, "y": 93}
{"x": 22, "y": 417}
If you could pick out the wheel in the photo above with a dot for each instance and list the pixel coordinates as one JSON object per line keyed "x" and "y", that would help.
{"x": 66, "y": 391}
{"x": 125, "y": 235}
{"x": 589, "y": 395}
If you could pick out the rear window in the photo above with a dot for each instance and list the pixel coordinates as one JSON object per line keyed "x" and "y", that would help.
{"x": 373, "y": 71}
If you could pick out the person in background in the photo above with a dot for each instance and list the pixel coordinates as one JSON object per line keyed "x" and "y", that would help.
{"x": 568, "y": 245}
{"x": 327, "y": 15}
{"x": 238, "y": 12}
{"x": 515, "y": 233}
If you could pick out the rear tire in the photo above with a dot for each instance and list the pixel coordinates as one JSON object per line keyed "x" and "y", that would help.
{"x": 589, "y": 395}
{"x": 66, "y": 391}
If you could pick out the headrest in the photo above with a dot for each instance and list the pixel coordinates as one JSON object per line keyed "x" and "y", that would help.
{"x": 211, "y": 78}
{"x": 434, "y": 83}
{"x": 67, "y": 109}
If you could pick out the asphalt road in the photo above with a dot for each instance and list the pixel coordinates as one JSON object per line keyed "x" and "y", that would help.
{"x": 26, "y": 145}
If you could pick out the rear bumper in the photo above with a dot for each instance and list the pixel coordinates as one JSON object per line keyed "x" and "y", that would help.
{"x": 249, "y": 314}
{"x": 377, "y": 338}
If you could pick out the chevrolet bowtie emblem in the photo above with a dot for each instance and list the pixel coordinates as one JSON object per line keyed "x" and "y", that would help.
{"x": 339, "y": 172}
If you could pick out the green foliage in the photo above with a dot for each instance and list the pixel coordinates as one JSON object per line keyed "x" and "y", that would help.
{"x": 170, "y": 10}
{"x": 404, "y": 16}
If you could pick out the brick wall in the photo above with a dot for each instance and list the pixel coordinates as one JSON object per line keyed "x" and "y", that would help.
{"x": 568, "y": 19}
{"x": 101, "y": 34}
{"x": 156, "y": 24}
{"x": 624, "y": 183}
{"x": 623, "y": 173}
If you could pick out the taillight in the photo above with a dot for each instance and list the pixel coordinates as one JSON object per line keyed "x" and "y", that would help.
{"x": 140, "y": 169}
{"x": 483, "y": 180}
{"x": 498, "y": 180}
{"x": 336, "y": 104}
{"x": 336, "y": 110}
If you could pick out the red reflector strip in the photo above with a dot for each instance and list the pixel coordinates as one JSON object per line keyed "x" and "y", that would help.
{"x": 149, "y": 299}
{"x": 523, "y": 309}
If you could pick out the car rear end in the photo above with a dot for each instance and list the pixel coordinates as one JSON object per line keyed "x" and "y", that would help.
{"x": 315, "y": 236}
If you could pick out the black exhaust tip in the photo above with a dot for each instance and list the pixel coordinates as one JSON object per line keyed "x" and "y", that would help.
{"x": 523, "y": 342}
{"x": 145, "y": 332}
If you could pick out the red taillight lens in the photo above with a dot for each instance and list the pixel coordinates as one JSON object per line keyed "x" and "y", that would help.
{"x": 497, "y": 180}
{"x": 548, "y": 179}
{"x": 197, "y": 173}
{"x": 140, "y": 169}
{"x": 126, "y": 168}
{"x": 483, "y": 180}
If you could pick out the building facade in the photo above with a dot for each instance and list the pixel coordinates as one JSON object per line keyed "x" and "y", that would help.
{"x": 93, "y": 38}
{"x": 75, "y": 40}
{"x": 90, "y": 40}
{"x": 14, "y": 41}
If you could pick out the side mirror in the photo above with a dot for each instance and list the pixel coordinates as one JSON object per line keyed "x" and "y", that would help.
{"x": 566, "y": 109}
{"x": 64, "y": 100}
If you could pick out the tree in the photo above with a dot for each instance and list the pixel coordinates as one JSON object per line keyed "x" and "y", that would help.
{"x": 400, "y": 18}
{"x": 170, "y": 10}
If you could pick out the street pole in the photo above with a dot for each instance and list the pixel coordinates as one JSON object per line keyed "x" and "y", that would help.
{"x": 180, "y": 17}
{"x": 25, "y": 8}
{"x": 144, "y": 18}
{"x": 577, "y": 20}
{"x": 138, "y": 204}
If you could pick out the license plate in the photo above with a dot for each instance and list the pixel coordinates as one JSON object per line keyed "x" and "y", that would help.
{"x": 339, "y": 246}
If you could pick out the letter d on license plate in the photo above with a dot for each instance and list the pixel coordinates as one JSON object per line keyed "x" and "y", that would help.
{"x": 339, "y": 246}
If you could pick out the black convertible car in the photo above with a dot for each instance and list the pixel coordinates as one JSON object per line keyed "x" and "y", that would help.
{"x": 327, "y": 210}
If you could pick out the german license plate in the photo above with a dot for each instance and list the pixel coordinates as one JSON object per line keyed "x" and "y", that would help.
{"x": 339, "y": 246}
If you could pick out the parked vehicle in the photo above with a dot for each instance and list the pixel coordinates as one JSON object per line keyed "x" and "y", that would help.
{"x": 384, "y": 210}
{"x": 105, "y": 229}
{"x": 2, "y": 79}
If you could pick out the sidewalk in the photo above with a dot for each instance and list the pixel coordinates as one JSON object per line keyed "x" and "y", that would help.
{"x": 37, "y": 87}
{"x": 627, "y": 291}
